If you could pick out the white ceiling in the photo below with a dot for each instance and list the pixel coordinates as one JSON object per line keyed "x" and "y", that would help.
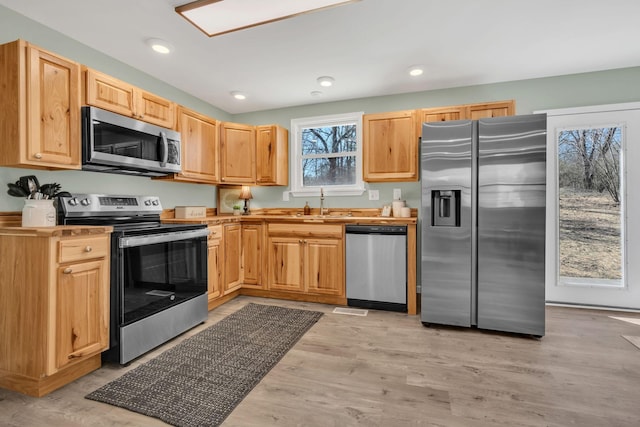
{"x": 366, "y": 46}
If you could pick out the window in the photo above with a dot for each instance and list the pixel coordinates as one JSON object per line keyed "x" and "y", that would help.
{"x": 327, "y": 154}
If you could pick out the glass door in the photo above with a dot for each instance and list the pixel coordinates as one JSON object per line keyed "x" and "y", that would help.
{"x": 589, "y": 215}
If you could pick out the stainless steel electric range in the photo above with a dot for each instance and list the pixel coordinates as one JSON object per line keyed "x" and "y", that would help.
{"x": 158, "y": 271}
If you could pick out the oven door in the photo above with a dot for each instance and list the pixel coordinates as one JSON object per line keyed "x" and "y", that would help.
{"x": 158, "y": 271}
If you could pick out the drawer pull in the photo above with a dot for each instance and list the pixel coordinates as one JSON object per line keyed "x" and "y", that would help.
{"x": 88, "y": 249}
{"x": 67, "y": 270}
{"x": 37, "y": 156}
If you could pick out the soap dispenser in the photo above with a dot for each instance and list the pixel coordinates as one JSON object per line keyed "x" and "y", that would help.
{"x": 307, "y": 209}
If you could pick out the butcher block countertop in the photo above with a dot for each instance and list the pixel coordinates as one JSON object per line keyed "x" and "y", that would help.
{"x": 57, "y": 231}
{"x": 339, "y": 216}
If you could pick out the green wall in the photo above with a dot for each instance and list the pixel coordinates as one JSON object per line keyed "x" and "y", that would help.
{"x": 606, "y": 87}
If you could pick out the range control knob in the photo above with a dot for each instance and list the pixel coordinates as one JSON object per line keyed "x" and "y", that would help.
{"x": 85, "y": 202}
{"x": 73, "y": 201}
{"x": 154, "y": 202}
{"x": 147, "y": 202}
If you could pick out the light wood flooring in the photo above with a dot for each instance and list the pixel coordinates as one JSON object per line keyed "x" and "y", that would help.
{"x": 387, "y": 369}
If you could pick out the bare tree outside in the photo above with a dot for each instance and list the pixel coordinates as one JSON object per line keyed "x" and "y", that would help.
{"x": 328, "y": 155}
{"x": 589, "y": 191}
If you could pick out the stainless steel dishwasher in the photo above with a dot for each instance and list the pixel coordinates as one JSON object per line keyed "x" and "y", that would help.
{"x": 377, "y": 266}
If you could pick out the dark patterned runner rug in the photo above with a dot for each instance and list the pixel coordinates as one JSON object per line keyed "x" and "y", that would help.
{"x": 201, "y": 380}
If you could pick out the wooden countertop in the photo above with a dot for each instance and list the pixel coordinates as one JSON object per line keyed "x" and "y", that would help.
{"x": 337, "y": 216}
{"x": 57, "y": 231}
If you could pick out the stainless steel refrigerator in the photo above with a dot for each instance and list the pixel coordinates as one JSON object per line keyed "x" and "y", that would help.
{"x": 483, "y": 223}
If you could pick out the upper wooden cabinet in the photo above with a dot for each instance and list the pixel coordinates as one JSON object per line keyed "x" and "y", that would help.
{"x": 200, "y": 148}
{"x": 441, "y": 114}
{"x": 467, "y": 111}
{"x": 40, "y": 101}
{"x": 109, "y": 93}
{"x": 237, "y": 153}
{"x": 390, "y": 146}
{"x": 272, "y": 155}
{"x": 491, "y": 109}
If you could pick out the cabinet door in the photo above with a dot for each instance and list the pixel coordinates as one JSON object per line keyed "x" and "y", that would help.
{"x": 324, "y": 266}
{"x": 154, "y": 109}
{"x": 214, "y": 269}
{"x": 54, "y": 96}
{"x": 390, "y": 149}
{"x": 232, "y": 241}
{"x": 441, "y": 114}
{"x": 199, "y": 135}
{"x": 109, "y": 93}
{"x": 491, "y": 109}
{"x": 237, "y": 153}
{"x": 285, "y": 264}
{"x": 82, "y": 311}
{"x": 252, "y": 255}
{"x": 272, "y": 155}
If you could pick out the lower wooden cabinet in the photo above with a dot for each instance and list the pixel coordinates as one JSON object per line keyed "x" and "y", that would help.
{"x": 232, "y": 241}
{"x": 306, "y": 258}
{"x": 55, "y": 306}
{"x": 214, "y": 263}
{"x": 252, "y": 256}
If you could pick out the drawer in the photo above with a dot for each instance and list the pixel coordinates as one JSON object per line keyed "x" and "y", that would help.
{"x": 80, "y": 249}
{"x": 215, "y": 232}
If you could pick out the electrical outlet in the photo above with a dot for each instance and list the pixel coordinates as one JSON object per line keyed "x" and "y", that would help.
{"x": 397, "y": 194}
{"x": 374, "y": 195}
{"x": 285, "y": 196}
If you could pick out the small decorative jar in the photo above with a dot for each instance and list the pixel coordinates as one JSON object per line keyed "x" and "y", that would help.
{"x": 38, "y": 213}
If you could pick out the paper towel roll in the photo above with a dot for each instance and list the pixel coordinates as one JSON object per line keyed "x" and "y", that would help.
{"x": 397, "y": 206}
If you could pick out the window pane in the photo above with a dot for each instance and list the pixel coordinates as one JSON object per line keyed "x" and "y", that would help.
{"x": 329, "y": 140}
{"x": 589, "y": 191}
{"x": 329, "y": 171}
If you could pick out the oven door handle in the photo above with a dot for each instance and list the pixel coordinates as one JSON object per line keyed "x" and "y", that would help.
{"x": 150, "y": 239}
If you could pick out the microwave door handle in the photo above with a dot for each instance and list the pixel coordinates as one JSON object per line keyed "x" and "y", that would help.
{"x": 165, "y": 149}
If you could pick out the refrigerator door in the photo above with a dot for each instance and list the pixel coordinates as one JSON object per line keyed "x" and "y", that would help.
{"x": 511, "y": 223}
{"x": 446, "y": 161}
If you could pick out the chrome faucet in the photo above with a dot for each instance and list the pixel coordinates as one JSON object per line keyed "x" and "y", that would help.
{"x": 322, "y": 212}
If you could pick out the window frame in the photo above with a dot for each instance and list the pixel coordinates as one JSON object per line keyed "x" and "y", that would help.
{"x": 297, "y": 125}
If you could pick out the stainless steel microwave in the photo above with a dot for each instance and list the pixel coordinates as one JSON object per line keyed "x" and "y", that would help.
{"x": 115, "y": 143}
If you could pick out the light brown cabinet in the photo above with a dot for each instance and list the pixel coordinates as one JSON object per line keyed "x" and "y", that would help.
{"x": 272, "y": 155}
{"x": 468, "y": 111}
{"x": 252, "y": 256}
{"x": 491, "y": 109}
{"x": 214, "y": 263}
{"x": 232, "y": 243}
{"x": 390, "y": 146}
{"x": 306, "y": 258}
{"x": 109, "y": 93}
{"x": 200, "y": 148}
{"x": 237, "y": 153}
{"x": 40, "y": 108}
{"x": 55, "y": 305}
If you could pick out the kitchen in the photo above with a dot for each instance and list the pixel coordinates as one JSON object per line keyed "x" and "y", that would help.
{"x": 530, "y": 96}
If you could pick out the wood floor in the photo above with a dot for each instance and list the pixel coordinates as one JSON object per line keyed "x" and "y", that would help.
{"x": 386, "y": 369}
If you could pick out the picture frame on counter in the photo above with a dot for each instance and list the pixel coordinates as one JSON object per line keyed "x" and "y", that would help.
{"x": 227, "y": 197}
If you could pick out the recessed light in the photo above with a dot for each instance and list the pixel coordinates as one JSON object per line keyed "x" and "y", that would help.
{"x": 416, "y": 70}
{"x": 238, "y": 95}
{"x": 159, "y": 45}
{"x": 326, "y": 81}
{"x": 316, "y": 94}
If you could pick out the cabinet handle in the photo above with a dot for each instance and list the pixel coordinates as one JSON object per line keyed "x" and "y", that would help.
{"x": 300, "y": 241}
{"x": 67, "y": 270}
{"x": 37, "y": 155}
{"x": 88, "y": 249}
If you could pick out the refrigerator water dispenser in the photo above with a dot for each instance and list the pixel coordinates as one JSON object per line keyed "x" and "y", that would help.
{"x": 445, "y": 205}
